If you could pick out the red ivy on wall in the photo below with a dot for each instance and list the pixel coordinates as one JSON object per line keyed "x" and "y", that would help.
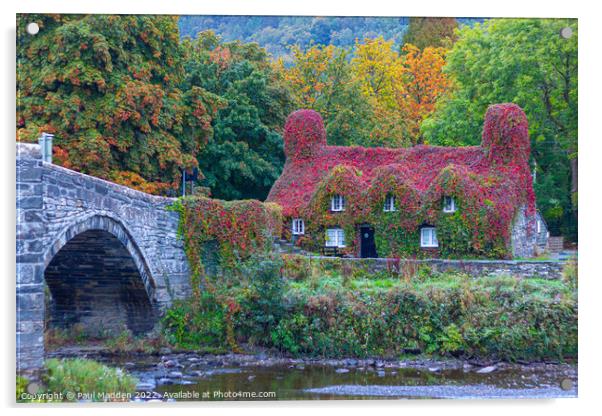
{"x": 240, "y": 228}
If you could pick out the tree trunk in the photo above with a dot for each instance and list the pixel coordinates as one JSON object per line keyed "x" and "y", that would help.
{"x": 574, "y": 189}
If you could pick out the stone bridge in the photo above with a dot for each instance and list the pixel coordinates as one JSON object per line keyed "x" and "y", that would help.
{"x": 89, "y": 253}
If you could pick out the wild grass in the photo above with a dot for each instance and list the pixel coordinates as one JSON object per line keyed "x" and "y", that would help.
{"x": 73, "y": 378}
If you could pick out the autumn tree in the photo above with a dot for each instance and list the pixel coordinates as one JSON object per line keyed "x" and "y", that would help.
{"x": 431, "y": 31}
{"x": 320, "y": 78}
{"x": 424, "y": 83}
{"x": 402, "y": 89}
{"x": 107, "y": 86}
{"x": 528, "y": 62}
{"x": 372, "y": 96}
{"x": 377, "y": 68}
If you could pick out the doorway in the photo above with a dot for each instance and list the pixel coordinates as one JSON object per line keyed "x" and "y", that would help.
{"x": 367, "y": 245}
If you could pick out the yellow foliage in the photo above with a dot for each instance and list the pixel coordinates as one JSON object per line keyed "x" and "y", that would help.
{"x": 399, "y": 87}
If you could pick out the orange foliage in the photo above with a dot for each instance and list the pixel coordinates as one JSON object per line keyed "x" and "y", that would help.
{"x": 135, "y": 181}
{"x": 424, "y": 83}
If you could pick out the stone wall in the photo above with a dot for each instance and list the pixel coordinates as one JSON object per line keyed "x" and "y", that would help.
{"x": 476, "y": 268}
{"x": 56, "y": 205}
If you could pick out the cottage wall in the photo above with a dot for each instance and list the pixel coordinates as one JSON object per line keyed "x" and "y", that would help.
{"x": 523, "y": 237}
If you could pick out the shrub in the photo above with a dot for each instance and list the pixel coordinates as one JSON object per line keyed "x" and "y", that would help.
{"x": 296, "y": 267}
{"x": 503, "y": 317}
{"x": 262, "y": 304}
{"x": 195, "y": 323}
{"x": 569, "y": 273}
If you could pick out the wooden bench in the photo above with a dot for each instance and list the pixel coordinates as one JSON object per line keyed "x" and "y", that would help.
{"x": 331, "y": 251}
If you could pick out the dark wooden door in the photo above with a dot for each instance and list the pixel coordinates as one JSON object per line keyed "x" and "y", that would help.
{"x": 367, "y": 245}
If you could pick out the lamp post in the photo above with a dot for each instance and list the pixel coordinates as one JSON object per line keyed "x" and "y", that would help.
{"x": 183, "y": 182}
{"x": 190, "y": 178}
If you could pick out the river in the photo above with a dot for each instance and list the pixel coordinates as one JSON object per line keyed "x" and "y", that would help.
{"x": 203, "y": 377}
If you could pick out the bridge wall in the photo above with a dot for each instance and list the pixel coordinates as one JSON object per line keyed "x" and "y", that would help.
{"x": 54, "y": 205}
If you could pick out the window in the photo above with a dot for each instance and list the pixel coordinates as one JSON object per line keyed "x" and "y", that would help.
{"x": 389, "y": 203}
{"x": 538, "y": 226}
{"x": 449, "y": 205}
{"x": 337, "y": 203}
{"x": 298, "y": 226}
{"x": 428, "y": 237}
{"x": 335, "y": 237}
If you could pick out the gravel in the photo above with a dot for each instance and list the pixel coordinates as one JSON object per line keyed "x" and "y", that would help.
{"x": 445, "y": 392}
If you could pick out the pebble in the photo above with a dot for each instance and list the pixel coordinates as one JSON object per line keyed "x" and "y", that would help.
{"x": 341, "y": 370}
{"x": 146, "y": 386}
{"x": 380, "y": 373}
{"x": 486, "y": 370}
{"x": 175, "y": 374}
{"x": 164, "y": 381}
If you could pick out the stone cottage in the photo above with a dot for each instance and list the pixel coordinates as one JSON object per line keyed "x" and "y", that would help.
{"x": 423, "y": 201}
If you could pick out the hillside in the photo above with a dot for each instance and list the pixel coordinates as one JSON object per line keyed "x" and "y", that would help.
{"x": 278, "y": 33}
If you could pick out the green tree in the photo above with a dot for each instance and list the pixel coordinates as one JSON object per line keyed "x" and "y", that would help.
{"x": 246, "y": 154}
{"x": 431, "y": 31}
{"x": 528, "y": 62}
{"x": 108, "y": 87}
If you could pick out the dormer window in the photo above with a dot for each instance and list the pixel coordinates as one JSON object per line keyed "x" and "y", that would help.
{"x": 449, "y": 205}
{"x": 298, "y": 226}
{"x": 428, "y": 237}
{"x": 389, "y": 203}
{"x": 337, "y": 203}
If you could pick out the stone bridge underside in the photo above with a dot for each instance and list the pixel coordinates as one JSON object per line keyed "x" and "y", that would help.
{"x": 90, "y": 253}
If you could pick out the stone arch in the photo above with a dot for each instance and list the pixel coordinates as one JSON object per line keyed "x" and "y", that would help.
{"x": 96, "y": 272}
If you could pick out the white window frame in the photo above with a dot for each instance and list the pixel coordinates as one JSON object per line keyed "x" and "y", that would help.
{"x": 428, "y": 237}
{"x": 335, "y": 237}
{"x": 337, "y": 203}
{"x": 298, "y": 226}
{"x": 538, "y": 226}
{"x": 389, "y": 203}
{"x": 452, "y": 206}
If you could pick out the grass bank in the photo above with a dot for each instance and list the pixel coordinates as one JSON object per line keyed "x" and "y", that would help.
{"x": 327, "y": 311}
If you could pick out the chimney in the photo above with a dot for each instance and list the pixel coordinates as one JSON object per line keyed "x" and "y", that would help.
{"x": 45, "y": 141}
